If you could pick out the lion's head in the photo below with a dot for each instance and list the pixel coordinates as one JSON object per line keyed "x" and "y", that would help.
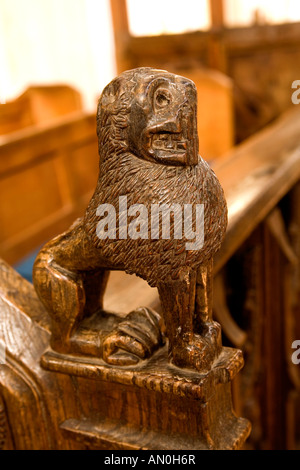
{"x": 152, "y": 114}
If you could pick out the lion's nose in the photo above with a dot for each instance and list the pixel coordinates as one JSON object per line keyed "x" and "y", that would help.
{"x": 172, "y": 126}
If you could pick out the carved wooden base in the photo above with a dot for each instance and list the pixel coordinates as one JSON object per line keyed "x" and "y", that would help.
{"x": 154, "y": 406}
{"x": 66, "y": 402}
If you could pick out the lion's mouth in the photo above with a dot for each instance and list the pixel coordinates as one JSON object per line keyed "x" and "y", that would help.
{"x": 168, "y": 142}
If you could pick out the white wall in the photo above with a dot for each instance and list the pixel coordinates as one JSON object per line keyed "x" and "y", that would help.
{"x": 56, "y": 41}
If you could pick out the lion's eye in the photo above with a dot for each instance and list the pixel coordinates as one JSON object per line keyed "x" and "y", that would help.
{"x": 162, "y": 98}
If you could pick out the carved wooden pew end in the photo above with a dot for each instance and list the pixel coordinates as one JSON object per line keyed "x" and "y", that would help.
{"x": 155, "y": 405}
{"x": 140, "y": 380}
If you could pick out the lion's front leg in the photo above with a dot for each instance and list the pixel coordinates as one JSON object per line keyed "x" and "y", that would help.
{"x": 194, "y": 339}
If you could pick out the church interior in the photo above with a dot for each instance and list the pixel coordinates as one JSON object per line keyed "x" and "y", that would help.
{"x": 243, "y": 56}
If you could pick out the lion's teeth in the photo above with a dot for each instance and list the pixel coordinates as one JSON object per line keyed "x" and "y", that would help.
{"x": 168, "y": 142}
{"x": 181, "y": 146}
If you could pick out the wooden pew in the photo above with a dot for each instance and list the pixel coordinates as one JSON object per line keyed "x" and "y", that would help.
{"x": 114, "y": 361}
{"x": 48, "y": 157}
{"x": 47, "y": 174}
{"x": 256, "y": 284}
{"x": 256, "y": 289}
{"x": 259, "y": 282}
{"x": 38, "y": 104}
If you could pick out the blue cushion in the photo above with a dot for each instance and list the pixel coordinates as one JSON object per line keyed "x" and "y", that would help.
{"x": 24, "y": 267}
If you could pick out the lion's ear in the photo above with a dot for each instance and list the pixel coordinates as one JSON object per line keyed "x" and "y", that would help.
{"x": 110, "y": 93}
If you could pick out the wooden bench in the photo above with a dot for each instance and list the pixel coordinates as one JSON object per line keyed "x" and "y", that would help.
{"x": 38, "y": 104}
{"x": 47, "y": 175}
